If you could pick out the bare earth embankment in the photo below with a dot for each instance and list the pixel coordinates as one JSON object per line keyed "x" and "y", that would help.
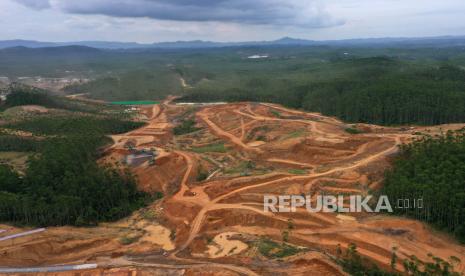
{"x": 218, "y": 226}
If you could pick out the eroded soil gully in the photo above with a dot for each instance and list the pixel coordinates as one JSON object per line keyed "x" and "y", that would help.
{"x": 314, "y": 231}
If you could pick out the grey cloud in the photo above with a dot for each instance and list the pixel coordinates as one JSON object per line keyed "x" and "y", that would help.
{"x": 305, "y": 13}
{"x": 35, "y": 4}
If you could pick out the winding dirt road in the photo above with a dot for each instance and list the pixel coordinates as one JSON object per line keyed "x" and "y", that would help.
{"x": 233, "y": 198}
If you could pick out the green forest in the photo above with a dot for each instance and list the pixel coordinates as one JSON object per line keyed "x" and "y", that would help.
{"x": 428, "y": 97}
{"x": 63, "y": 184}
{"x": 26, "y": 95}
{"x": 74, "y": 124}
{"x": 431, "y": 169}
{"x": 375, "y": 92}
{"x": 355, "y": 264}
{"x": 386, "y": 86}
{"x": 134, "y": 85}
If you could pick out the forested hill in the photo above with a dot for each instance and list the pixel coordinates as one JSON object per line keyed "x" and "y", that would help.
{"x": 432, "y": 96}
{"x": 376, "y": 90}
{"x": 62, "y": 182}
{"x": 388, "y": 86}
{"x": 432, "y": 169}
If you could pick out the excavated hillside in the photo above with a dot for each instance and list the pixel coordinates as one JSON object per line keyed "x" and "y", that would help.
{"x": 211, "y": 219}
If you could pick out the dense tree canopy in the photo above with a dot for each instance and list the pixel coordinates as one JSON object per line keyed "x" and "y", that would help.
{"x": 68, "y": 125}
{"x": 432, "y": 169}
{"x": 429, "y": 97}
{"x": 376, "y": 92}
{"x": 65, "y": 185}
{"x": 19, "y": 144}
{"x": 20, "y": 95}
{"x": 28, "y": 96}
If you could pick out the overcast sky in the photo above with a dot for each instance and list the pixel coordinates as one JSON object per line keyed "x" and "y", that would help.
{"x": 227, "y": 20}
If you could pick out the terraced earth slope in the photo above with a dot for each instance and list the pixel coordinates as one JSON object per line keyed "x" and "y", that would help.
{"x": 214, "y": 177}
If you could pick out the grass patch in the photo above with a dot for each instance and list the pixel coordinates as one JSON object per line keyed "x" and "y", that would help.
{"x": 150, "y": 215}
{"x": 209, "y": 160}
{"x": 272, "y": 249}
{"x": 276, "y": 113}
{"x": 258, "y": 130}
{"x": 353, "y": 130}
{"x": 187, "y": 126}
{"x": 243, "y": 166}
{"x": 126, "y": 240}
{"x": 211, "y": 148}
{"x": 298, "y": 171}
{"x": 17, "y": 160}
{"x": 295, "y": 134}
{"x": 202, "y": 174}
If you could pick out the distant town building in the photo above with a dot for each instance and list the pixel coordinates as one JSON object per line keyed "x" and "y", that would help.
{"x": 258, "y": 56}
{"x": 4, "y": 91}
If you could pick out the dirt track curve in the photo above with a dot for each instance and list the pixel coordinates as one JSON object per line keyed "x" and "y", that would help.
{"x": 269, "y": 150}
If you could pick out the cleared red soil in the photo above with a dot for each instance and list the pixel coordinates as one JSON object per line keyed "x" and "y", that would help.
{"x": 293, "y": 153}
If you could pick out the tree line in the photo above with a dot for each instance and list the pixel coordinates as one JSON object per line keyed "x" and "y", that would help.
{"x": 373, "y": 91}
{"x": 431, "y": 169}
{"x": 63, "y": 183}
{"x": 355, "y": 264}
{"x": 74, "y": 124}
{"x": 19, "y": 95}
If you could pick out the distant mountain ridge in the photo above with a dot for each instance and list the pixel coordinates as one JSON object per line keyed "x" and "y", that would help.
{"x": 440, "y": 41}
{"x": 55, "y": 50}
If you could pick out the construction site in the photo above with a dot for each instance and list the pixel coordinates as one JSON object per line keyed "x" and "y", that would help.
{"x": 211, "y": 219}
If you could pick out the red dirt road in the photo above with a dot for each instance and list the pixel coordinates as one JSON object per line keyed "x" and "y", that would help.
{"x": 232, "y": 199}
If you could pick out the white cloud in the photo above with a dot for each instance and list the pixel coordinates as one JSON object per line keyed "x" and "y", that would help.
{"x": 227, "y": 20}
